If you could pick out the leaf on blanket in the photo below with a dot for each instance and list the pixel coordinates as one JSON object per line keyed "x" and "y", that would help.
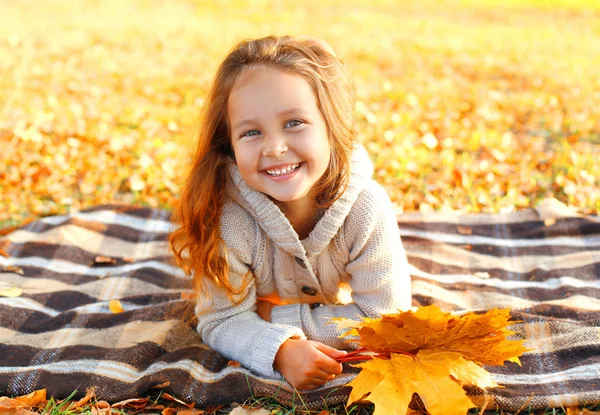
{"x": 464, "y": 230}
{"x": 102, "y": 260}
{"x": 4, "y": 244}
{"x": 160, "y": 385}
{"x": 13, "y": 269}
{"x": 11, "y": 292}
{"x": 115, "y": 306}
{"x": 428, "y": 352}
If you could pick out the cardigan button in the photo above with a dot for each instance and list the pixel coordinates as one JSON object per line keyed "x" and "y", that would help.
{"x": 300, "y": 262}
{"x": 309, "y": 291}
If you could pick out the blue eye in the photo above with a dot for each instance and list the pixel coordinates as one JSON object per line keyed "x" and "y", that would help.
{"x": 247, "y": 133}
{"x": 294, "y": 121}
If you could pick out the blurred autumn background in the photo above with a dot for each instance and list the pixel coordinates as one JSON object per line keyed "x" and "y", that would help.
{"x": 471, "y": 105}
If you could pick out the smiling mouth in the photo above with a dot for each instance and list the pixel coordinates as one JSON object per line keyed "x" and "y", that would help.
{"x": 282, "y": 172}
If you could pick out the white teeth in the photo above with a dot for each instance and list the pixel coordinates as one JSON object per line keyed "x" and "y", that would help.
{"x": 280, "y": 172}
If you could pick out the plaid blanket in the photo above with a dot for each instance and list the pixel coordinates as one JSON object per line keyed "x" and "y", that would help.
{"x": 61, "y": 334}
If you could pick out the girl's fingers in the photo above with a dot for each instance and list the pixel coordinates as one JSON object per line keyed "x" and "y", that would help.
{"x": 330, "y": 351}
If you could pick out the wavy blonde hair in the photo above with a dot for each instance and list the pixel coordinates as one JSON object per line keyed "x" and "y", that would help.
{"x": 197, "y": 243}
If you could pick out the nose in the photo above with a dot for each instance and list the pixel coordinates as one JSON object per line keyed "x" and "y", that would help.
{"x": 274, "y": 145}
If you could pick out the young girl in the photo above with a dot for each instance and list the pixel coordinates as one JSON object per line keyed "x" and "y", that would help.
{"x": 280, "y": 210}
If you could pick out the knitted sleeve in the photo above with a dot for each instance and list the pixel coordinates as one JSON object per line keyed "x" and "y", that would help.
{"x": 235, "y": 330}
{"x": 378, "y": 267}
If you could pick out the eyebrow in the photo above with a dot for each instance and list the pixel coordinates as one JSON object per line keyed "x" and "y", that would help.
{"x": 279, "y": 114}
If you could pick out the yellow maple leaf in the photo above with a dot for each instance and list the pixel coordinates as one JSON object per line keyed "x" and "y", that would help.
{"x": 428, "y": 352}
{"x": 481, "y": 338}
{"x": 435, "y": 375}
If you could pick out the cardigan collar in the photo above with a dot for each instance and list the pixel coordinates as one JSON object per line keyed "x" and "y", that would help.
{"x": 277, "y": 227}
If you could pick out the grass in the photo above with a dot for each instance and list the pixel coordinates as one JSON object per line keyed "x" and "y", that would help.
{"x": 54, "y": 407}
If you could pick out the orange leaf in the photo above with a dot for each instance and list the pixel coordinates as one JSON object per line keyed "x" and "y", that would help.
{"x": 115, "y": 306}
{"x": 434, "y": 375}
{"x": 88, "y": 396}
{"x": 13, "y": 269}
{"x": 100, "y": 260}
{"x": 25, "y": 401}
{"x": 135, "y": 403}
{"x": 481, "y": 338}
{"x": 170, "y": 397}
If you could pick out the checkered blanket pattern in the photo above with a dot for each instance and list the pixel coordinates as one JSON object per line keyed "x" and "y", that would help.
{"x": 60, "y": 333}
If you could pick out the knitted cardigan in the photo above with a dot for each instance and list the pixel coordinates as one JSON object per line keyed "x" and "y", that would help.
{"x": 356, "y": 241}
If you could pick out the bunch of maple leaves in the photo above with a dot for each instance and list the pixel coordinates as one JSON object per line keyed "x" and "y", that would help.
{"x": 428, "y": 352}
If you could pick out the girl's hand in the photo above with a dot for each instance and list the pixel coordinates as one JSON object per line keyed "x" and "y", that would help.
{"x": 307, "y": 364}
{"x": 263, "y": 309}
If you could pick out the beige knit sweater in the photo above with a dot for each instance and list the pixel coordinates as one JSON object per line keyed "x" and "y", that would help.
{"x": 356, "y": 241}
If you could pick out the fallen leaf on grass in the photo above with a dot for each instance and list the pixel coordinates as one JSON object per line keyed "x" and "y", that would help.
{"x": 243, "y": 410}
{"x": 25, "y": 401}
{"x": 89, "y": 394}
{"x": 135, "y": 403}
{"x": 170, "y": 397}
{"x": 115, "y": 306}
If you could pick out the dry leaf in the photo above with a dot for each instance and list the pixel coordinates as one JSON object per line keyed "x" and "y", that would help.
{"x": 89, "y": 394}
{"x": 102, "y": 260}
{"x": 430, "y": 373}
{"x": 25, "y": 401}
{"x": 4, "y": 244}
{"x": 11, "y": 292}
{"x": 479, "y": 337}
{"x": 428, "y": 352}
{"x": 170, "y": 397}
{"x": 115, "y": 306}
{"x": 464, "y": 230}
{"x": 13, "y": 269}
{"x": 160, "y": 385}
{"x": 243, "y": 410}
{"x": 234, "y": 363}
{"x": 135, "y": 403}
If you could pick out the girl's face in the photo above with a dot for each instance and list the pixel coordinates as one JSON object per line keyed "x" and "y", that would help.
{"x": 278, "y": 134}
